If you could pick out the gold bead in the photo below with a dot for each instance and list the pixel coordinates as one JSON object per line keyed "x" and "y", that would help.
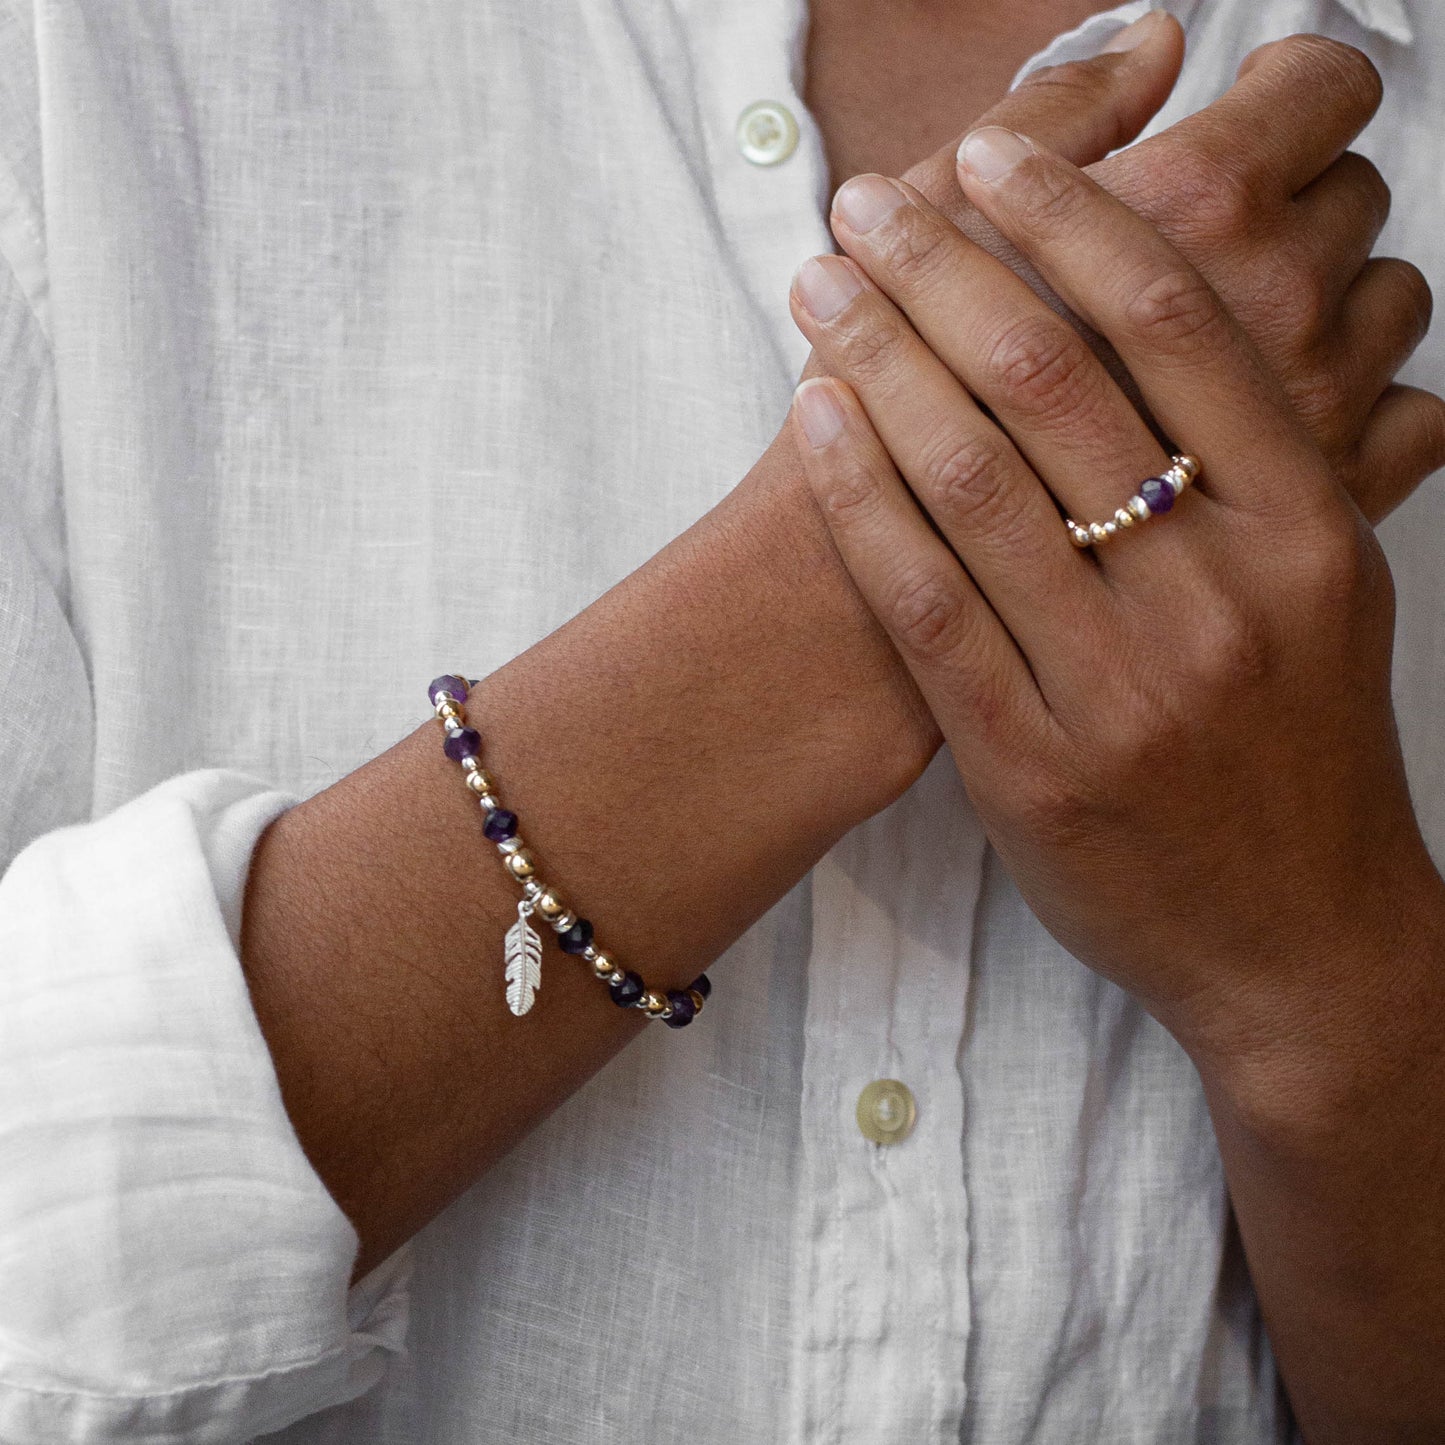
{"x": 448, "y": 710}
{"x": 1111, "y": 529}
{"x": 604, "y": 965}
{"x": 1188, "y": 466}
{"x": 1140, "y": 508}
{"x": 550, "y": 904}
{"x": 697, "y": 999}
{"x": 1124, "y": 517}
{"x": 654, "y": 1002}
{"x": 520, "y": 864}
{"x": 1097, "y": 533}
{"x": 1077, "y": 535}
{"x": 480, "y": 781}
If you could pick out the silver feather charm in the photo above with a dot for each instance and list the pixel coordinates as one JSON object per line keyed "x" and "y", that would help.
{"x": 524, "y": 961}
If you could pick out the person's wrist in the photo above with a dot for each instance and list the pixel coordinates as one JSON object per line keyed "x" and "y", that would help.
{"x": 869, "y": 693}
{"x": 1305, "y": 1067}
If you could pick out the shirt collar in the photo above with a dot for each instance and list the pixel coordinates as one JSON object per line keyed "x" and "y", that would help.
{"x": 1389, "y": 17}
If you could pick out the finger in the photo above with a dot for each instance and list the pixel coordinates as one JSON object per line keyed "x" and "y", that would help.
{"x": 1385, "y": 315}
{"x": 959, "y": 652}
{"x": 1382, "y": 319}
{"x": 1339, "y": 216}
{"x": 987, "y": 502}
{"x": 1404, "y": 442}
{"x": 1083, "y": 109}
{"x": 1295, "y": 107}
{"x": 1087, "y": 108}
{"x": 1201, "y": 377}
{"x": 1026, "y": 363}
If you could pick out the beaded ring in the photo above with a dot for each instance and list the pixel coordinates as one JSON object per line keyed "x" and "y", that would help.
{"x": 1154, "y": 496}
{"x": 676, "y": 1007}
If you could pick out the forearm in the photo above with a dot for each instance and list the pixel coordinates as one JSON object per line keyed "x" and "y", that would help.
{"x": 1332, "y": 1133}
{"x": 679, "y": 755}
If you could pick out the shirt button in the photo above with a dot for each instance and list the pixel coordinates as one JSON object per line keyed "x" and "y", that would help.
{"x": 767, "y": 133}
{"x": 886, "y": 1111}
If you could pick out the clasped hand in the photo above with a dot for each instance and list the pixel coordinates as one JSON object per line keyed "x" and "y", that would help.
{"x": 1182, "y": 742}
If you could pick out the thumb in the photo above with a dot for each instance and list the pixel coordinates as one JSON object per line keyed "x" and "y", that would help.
{"x": 1087, "y": 108}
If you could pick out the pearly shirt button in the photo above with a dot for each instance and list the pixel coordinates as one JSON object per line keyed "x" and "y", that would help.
{"x": 886, "y": 1111}
{"x": 767, "y": 133}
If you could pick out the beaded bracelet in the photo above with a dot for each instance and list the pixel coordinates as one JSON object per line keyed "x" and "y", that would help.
{"x": 523, "y": 948}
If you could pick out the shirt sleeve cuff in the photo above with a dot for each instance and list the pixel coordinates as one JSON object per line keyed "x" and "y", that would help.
{"x": 171, "y": 1267}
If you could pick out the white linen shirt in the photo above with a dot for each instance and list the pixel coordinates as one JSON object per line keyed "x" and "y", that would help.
{"x": 305, "y": 311}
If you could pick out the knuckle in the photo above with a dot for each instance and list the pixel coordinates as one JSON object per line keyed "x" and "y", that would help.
{"x": 1363, "y": 177}
{"x": 1289, "y": 306}
{"x": 1323, "y": 401}
{"x": 964, "y": 479}
{"x": 1042, "y": 367}
{"x": 1416, "y": 299}
{"x": 1175, "y": 309}
{"x": 1063, "y": 802}
{"x": 1075, "y": 88}
{"x": 1054, "y": 198}
{"x": 914, "y": 248}
{"x": 1334, "y": 567}
{"x": 925, "y": 613}
{"x": 1229, "y": 653}
{"x": 853, "y": 492}
{"x": 869, "y": 340}
{"x": 1200, "y": 197}
{"x": 1342, "y": 70}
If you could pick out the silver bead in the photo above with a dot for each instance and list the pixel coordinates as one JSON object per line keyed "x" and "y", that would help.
{"x": 472, "y": 764}
{"x": 563, "y": 921}
{"x": 1176, "y": 479}
{"x": 1097, "y": 533}
{"x": 487, "y": 802}
{"x": 1111, "y": 529}
{"x": 1124, "y": 517}
{"x": 590, "y": 953}
{"x": 1188, "y": 465}
{"x": 1140, "y": 508}
{"x": 513, "y": 844}
{"x": 617, "y": 978}
{"x": 453, "y": 725}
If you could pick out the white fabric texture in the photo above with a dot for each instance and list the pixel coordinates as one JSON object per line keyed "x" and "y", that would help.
{"x": 347, "y": 345}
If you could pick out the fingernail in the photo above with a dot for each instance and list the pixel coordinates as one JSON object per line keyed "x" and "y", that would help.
{"x": 867, "y": 201}
{"x": 819, "y": 412}
{"x": 825, "y": 285}
{"x": 991, "y": 152}
{"x": 1132, "y": 36}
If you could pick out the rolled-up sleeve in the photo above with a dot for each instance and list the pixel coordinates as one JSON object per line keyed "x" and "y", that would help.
{"x": 171, "y": 1267}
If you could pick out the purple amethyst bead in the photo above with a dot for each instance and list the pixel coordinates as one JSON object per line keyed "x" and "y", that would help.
{"x": 455, "y": 688}
{"x": 500, "y": 825}
{"x": 629, "y": 990}
{"x": 683, "y": 1010}
{"x": 576, "y": 939}
{"x": 703, "y": 984}
{"x": 1158, "y": 493}
{"x": 465, "y": 743}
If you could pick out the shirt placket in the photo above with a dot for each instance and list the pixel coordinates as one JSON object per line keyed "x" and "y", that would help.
{"x": 880, "y": 1299}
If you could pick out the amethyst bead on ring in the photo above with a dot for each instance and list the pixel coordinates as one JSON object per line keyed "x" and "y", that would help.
{"x": 1155, "y": 496}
